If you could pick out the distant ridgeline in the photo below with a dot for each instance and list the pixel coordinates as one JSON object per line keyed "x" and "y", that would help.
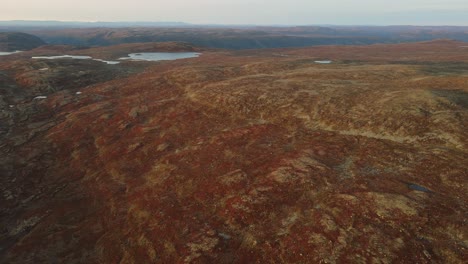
{"x": 12, "y": 41}
{"x": 249, "y": 37}
{"x": 225, "y": 36}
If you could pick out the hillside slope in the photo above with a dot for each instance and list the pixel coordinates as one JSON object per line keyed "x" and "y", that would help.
{"x": 239, "y": 157}
{"x": 12, "y": 41}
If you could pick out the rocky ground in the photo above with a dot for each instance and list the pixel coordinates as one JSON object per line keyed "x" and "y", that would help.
{"x": 236, "y": 157}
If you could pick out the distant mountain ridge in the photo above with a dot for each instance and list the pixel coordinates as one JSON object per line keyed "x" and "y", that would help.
{"x": 11, "y": 41}
{"x": 248, "y": 38}
{"x": 228, "y": 36}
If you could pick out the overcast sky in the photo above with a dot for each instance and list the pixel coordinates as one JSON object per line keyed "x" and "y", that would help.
{"x": 287, "y": 12}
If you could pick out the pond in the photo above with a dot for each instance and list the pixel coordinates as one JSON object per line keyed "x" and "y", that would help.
{"x": 4, "y": 53}
{"x": 63, "y": 57}
{"x": 160, "y": 56}
{"x": 323, "y": 61}
{"x": 74, "y": 57}
{"x": 142, "y": 56}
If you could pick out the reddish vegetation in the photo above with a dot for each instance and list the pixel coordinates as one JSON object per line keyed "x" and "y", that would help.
{"x": 438, "y": 50}
{"x": 247, "y": 157}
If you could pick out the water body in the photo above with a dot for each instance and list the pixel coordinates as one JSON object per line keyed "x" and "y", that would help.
{"x": 160, "y": 56}
{"x": 420, "y": 188}
{"x": 108, "y": 62}
{"x": 3, "y": 53}
{"x": 63, "y": 57}
{"x": 323, "y": 61}
{"x": 144, "y": 56}
{"x": 74, "y": 57}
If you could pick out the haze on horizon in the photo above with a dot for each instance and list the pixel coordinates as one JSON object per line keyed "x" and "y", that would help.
{"x": 259, "y": 12}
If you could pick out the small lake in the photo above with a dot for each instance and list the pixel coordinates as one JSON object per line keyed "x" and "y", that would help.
{"x": 323, "y": 61}
{"x": 143, "y": 56}
{"x": 63, "y": 57}
{"x": 74, "y": 57}
{"x": 108, "y": 62}
{"x": 3, "y": 53}
{"x": 160, "y": 56}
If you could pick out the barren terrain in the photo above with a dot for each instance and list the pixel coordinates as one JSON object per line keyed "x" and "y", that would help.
{"x": 257, "y": 156}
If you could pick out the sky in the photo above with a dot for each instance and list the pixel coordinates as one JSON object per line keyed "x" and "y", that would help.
{"x": 258, "y": 12}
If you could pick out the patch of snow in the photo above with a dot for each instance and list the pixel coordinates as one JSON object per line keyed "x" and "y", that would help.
{"x": 44, "y": 69}
{"x": 78, "y": 92}
{"x": 11, "y": 106}
{"x": 40, "y": 97}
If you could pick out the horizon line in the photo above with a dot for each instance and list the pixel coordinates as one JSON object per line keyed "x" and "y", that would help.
{"x": 239, "y": 25}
